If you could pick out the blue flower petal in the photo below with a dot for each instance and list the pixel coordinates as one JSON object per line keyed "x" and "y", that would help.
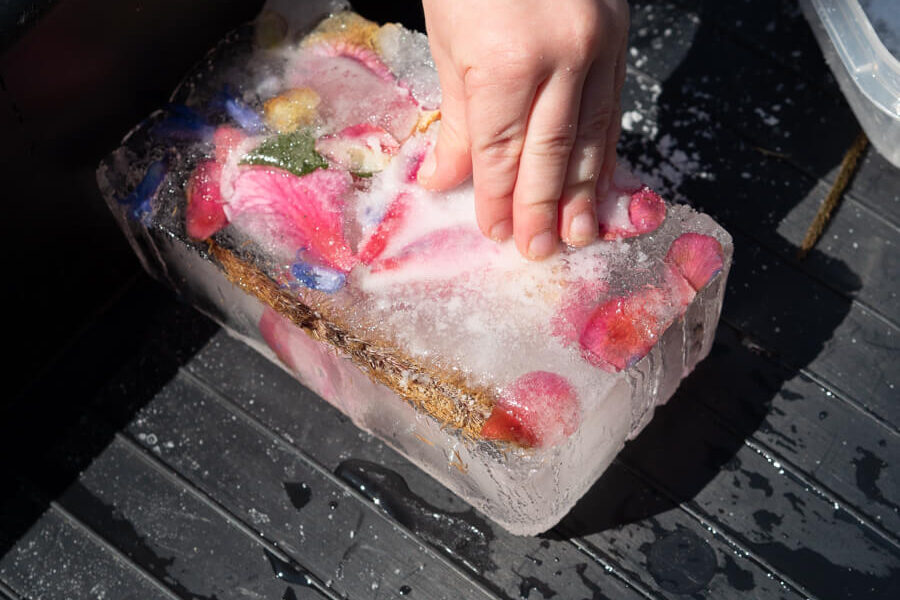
{"x": 247, "y": 118}
{"x": 318, "y": 278}
{"x": 183, "y": 124}
{"x": 138, "y": 202}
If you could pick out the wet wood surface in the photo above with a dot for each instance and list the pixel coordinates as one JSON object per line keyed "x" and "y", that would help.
{"x": 184, "y": 465}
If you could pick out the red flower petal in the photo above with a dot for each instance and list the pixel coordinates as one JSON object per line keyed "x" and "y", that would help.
{"x": 539, "y": 409}
{"x": 295, "y": 213}
{"x": 622, "y": 330}
{"x": 646, "y": 210}
{"x": 205, "y": 213}
{"x": 372, "y": 247}
{"x": 696, "y": 257}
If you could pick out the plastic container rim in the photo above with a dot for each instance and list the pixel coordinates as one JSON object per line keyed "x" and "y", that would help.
{"x": 875, "y": 71}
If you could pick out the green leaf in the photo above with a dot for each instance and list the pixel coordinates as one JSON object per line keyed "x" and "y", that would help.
{"x": 294, "y": 152}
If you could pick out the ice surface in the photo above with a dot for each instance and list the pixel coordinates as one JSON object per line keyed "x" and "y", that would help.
{"x": 287, "y": 164}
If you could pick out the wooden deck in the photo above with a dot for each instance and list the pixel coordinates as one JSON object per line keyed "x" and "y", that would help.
{"x": 155, "y": 457}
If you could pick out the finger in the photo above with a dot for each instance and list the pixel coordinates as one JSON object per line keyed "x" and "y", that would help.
{"x": 596, "y": 114}
{"x": 449, "y": 163}
{"x": 549, "y": 139}
{"x": 615, "y": 128}
{"x": 497, "y": 111}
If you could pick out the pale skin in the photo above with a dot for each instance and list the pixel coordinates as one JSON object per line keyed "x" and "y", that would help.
{"x": 530, "y": 110}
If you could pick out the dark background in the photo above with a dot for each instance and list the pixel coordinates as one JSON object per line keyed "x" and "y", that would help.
{"x": 75, "y": 76}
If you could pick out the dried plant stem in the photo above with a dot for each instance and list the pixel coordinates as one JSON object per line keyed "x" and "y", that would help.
{"x": 445, "y": 395}
{"x": 848, "y": 167}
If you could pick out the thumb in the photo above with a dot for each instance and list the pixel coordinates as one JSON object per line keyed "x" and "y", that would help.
{"x": 449, "y": 162}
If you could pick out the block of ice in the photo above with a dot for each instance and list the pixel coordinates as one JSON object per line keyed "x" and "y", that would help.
{"x": 278, "y": 191}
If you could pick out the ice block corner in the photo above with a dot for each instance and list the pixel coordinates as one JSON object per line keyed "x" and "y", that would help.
{"x": 278, "y": 191}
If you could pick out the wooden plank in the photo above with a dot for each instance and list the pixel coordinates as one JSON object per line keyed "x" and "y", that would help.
{"x": 840, "y": 344}
{"x": 857, "y": 238}
{"x": 663, "y": 546}
{"x": 172, "y": 534}
{"x": 751, "y": 498}
{"x": 273, "y": 489}
{"x": 877, "y": 185}
{"x": 285, "y": 406}
{"x": 7, "y": 593}
{"x": 793, "y": 419}
{"x": 57, "y": 558}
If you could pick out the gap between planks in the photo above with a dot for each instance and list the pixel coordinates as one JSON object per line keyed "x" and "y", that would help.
{"x": 721, "y": 531}
{"x": 819, "y": 380}
{"x": 101, "y": 541}
{"x": 597, "y": 555}
{"x": 233, "y": 520}
{"x": 233, "y": 408}
{"x": 803, "y": 478}
{"x": 8, "y": 593}
{"x": 581, "y": 544}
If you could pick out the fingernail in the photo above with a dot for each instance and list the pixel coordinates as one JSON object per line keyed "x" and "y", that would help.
{"x": 502, "y": 230}
{"x": 426, "y": 170}
{"x": 541, "y": 245}
{"x": 583, "y": 228}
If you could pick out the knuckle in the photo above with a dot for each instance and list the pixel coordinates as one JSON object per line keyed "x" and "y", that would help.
{"x": 502, "y": 144}
{"x": 584, "y": 42}
{"x": 553, "y": 143}
{"x": 534, "y": 204}
{"x": 594, "y": 128}
{"x": 478, "y": 78}
{"x": 501, "y": 71}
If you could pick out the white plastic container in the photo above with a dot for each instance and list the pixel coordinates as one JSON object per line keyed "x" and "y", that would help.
{"x": 869, "y": 75}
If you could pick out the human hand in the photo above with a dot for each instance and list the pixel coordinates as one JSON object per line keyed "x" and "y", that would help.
{"x": 531, "y": 110}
